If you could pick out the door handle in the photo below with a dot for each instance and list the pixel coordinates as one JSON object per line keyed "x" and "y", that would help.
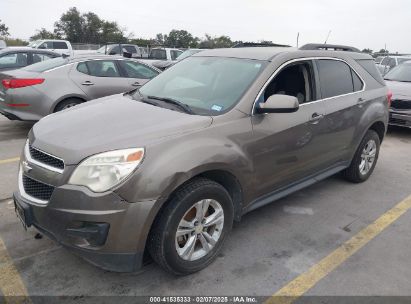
{"x": 315, "y": 118}
{"x": 87, "y": 83}
{"x": 136, "y": 84}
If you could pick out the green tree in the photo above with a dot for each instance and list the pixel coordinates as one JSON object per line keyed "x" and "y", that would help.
{"x": 91, "y": 27}
{"x": 44, "y": 34}
{"x": 382, "y": 51}
{"x": 180, "y": 39}
{"x": 4, "y": 30}
{"x": 215, "y": 42}
{"x": 368, "y": 51}
{"x": 15, "y": 42}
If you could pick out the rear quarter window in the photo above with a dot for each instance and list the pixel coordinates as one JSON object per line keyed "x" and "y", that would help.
{"x": 369, "y": 66}
{"x": 335, "y": 78}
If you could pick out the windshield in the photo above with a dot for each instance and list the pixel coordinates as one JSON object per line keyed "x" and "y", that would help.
{"x": 47, "y": 65}
{"x": 34, "y": 43}
{"x": 208, "y": 85}
{"x": 400, "y": 73}
{"x": 187, "y": 53}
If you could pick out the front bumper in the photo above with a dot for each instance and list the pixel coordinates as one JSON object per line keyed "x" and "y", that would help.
{"x": 400, "y": 118}
{"x": 101, "y": 228}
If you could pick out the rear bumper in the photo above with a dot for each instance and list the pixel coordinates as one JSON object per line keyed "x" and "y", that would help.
{"x": 16, "y": 114}
{"x": 104, "y": 230}
{"x": 400, "y": 118}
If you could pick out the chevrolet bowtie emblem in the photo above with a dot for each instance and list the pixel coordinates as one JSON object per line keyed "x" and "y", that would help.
{"x": 26, "y": 167}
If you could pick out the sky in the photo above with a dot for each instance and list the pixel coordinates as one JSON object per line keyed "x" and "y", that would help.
{"x": 359, "y": 23}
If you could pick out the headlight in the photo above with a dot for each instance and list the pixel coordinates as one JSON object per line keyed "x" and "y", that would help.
{"x": 103, "y": 171}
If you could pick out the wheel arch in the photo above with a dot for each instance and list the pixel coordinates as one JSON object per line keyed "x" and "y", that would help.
{"x": 66, "y": 97}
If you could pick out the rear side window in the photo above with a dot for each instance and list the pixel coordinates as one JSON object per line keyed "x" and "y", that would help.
{"x": 39, "y": 57}
{"x": 174, "y": 54}
{"x": 14, "y": 60}
{"x": 82, "y": 68}
{"x": 137, "y": 70}
{"x": 60, "y": 45}
{"x": 369, "y": 66}
{"x": 102, "y": 68}
{"x": 336, "y": 78}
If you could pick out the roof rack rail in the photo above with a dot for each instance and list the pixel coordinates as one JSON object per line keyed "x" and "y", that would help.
{"x": 328, "y": 47}
{"x": 257, "y": 44}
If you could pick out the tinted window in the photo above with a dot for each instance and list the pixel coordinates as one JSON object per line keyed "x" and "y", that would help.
{"x": 357, "y": 83}
{"x": 14, "y": 60}
{"x": 60, "y": 45}
{"x": 137, "y": 70}
{"x": 369, "y": 66}
{"x": 385, "y": 61}
{"x": 47, "y": 65}
{"x": 158, "y": 54}
{"x": 103, "y": 68}
{"x": 39, "y": 57}
{"x": 335, "y": 78}
{"x": 130, "y": 49}
{"x": 115, "y": 50}
{"x": 174, "y": 54}
{"x": 82, "y": 68}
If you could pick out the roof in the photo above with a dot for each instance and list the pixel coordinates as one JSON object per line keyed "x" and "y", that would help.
{"x": 268, "y": 53}
{"x": 26, "y": 49}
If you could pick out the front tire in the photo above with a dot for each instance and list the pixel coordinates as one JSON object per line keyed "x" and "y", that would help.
{"x": 365, "y": 158}
{"x": 190, "y": 231}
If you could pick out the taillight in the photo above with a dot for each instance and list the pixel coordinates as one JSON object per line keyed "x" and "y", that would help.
{"x": 389, "y": 97}
{"x": 15, "y": 83}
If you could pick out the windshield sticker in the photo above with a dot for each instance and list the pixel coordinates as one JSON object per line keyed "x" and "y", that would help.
{"x": 216, "y": 108}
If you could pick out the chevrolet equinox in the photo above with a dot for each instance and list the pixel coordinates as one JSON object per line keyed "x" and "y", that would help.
{"x": 164, "y": 170}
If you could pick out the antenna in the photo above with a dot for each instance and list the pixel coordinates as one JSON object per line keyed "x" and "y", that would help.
{"x": 328, "y": 36}
{"x": 298, "y": 37}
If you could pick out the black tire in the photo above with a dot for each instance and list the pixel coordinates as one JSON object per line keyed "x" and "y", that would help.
{"x": 162, "y": 239}
{"x": 67, "y": 103}
{"x": 353, "y": 172}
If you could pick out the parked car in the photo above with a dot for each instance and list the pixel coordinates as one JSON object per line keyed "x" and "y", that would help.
{"x": 164, "y": 54}
{"x": 389, "y": 62}
{"x": 18, "y": 57}
{"x": 399, "y": 82}
{"x": 167, "y": 168}
{"x": 59, "y": 46}
{"x": 57, "y": 84}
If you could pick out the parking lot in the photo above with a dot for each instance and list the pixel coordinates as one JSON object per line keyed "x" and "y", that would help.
{"x": 333, "y": 238}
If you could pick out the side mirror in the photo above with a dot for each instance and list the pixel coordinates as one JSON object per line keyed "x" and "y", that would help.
{"x": 279, "y": 104}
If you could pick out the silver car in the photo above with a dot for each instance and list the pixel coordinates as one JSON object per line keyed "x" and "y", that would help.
{"x": 54, "y": 85}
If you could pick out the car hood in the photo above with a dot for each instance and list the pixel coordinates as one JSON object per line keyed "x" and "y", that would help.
{"x": 400, "y": 90}
{"x": 114, "y": 122}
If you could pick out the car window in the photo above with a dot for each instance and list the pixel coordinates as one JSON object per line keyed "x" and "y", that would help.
{"x": 392, "y": 63}
{"x": 335, "y": 78}
{"x": 209, "y": 85}
{"x": 60, "y": 45}
{"x": 14, "y": 60}
{"x": 82, "y": 68}
{"x": 46, "y": 45}
{"x": 115, "y": 50}
{"x": 357, "y": 82}
{"x": 174, "y": 54}
{"x": 158, "y": 54}
{"x": 130, "y": 49}
{"x": 385, "y": 61}
{"x": 39, "y": 57}
{"x": 296, "y": 79}
{"x": 400, "y": 73}
{"x": 137, "y": 70}
{"x": 47, "y": 65}
{"x": 102, "y": 68}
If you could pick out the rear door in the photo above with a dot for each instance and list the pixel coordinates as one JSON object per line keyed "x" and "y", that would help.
{"x": 137, "y": 73}
{"x": 341, "y": 91}
{"x": 99, "y": 78}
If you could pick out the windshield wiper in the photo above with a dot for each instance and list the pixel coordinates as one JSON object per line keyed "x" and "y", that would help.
{"x": 185, "y": 107}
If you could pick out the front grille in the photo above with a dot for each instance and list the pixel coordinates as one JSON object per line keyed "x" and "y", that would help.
{"x": 37, "y": 189}
{"x": 398, "y": 121}
{"x": 46, "y": 158}
{"x": 401, "y": 104}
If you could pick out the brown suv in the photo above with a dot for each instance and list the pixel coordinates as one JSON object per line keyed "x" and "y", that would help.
{"x": 164, "y": 170}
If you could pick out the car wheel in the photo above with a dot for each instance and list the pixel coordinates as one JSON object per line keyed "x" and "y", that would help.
{"x": 189, "y": 232}
{"x": 67, "y": 103}
{"x": 365, "y": 158}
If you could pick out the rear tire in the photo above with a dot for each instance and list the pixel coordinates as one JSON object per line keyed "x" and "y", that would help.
{"x": 365, "y": 158}
{"x": 67, "y": 103}
{"x": 206, "y": 230}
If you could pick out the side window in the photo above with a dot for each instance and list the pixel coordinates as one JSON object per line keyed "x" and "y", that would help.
{"x": 46, "y": 45}
{"x": 357, "y": 83}
{"x": 137, "y": 70}
{"x": 14, "y": 60}
{"x": 102, "y": 68}
{"x": 296, "y": 79}
{"x": 158, "y": 54}
{"x": 130, "y": 49}
{"x": 174, "y": 54}
{"x": 335, "y": 78}
{"x": 38, "y": 57}
{"x": 60, "y": 45}
{"x": 115, "y": 50}
{"x": 82, "y": 68}
{"x": 392, "y": 63}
